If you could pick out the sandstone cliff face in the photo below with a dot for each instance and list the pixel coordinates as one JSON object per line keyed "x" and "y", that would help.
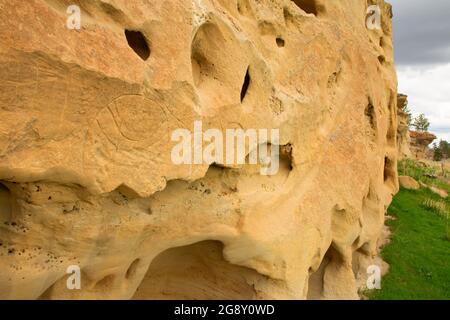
{"x": 86, "y": 118}
{"x": 403, "y": 136}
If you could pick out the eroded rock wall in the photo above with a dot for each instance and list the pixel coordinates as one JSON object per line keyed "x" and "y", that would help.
{"x": 86, "y": 118}
{"x": 403, "y": 135}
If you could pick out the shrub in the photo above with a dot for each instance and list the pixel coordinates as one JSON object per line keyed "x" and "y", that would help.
{"x": 421, "y": 123}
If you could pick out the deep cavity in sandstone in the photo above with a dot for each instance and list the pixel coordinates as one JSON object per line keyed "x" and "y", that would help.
{"x": 138, "y": 43}
{"x": 86, "y": 176}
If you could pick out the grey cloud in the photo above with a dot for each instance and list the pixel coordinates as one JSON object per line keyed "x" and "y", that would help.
{"x": 421, "y": 31}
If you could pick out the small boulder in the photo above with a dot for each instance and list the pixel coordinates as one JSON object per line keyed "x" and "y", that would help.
{"x": 408, "y": 183}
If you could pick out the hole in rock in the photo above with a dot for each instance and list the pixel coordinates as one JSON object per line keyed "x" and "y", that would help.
{"x": 5, "y": 203}
{"x": 138, "y": 43}
{"x": 280, "y": 42}
{"x": 132, "y": 269}
{"x": 316, "y": 279}
{"x": 386, "y": 169}
{"x": 217, "y": 66}
{"x": 309, "y": 6}
{"x": 286, "y": 159}
{"x": 392, "y": 130}
{"x": 381, "y": 59}
{"x": 371, "y": 115}
{"x": 245, "y": 86}
{"x": 389, "y": 170}
{"x": 194, "y": 272}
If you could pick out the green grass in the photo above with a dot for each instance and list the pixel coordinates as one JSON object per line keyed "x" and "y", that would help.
{"x": 437, "y": 206}
{"x": 419, "y": 253}
{"x": 412, "y": 168}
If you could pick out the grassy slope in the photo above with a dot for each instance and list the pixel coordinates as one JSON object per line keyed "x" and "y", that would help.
{"x": 413, "y": 169}
{"x": 419, "y": 254}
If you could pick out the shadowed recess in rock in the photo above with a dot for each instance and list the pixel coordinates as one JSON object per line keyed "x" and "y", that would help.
{"x": 138, "y": 43}
{"x": 309, "y": 6}
{"x": 197, "y": 271}
{"x": 246, "y": 85}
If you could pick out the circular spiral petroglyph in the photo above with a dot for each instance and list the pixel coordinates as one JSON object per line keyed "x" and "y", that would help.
{"x": 133, "y": 119}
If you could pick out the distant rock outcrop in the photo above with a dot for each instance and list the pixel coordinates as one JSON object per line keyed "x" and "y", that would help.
{"x": 419, "y": 144}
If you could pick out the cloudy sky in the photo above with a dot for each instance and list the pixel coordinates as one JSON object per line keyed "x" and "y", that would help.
{"x": 422, "y": 53}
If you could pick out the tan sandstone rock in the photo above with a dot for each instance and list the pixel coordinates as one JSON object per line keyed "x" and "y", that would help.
{"x": 408, "y": 183}
{"x": 87, "y": 179}
{"x": 403, "y": 136}
{"x": 419, "y": 144}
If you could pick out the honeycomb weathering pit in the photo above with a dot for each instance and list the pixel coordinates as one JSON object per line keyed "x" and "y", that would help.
{"x": 138, "y": 43}
{"x": 85, "y": 148}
